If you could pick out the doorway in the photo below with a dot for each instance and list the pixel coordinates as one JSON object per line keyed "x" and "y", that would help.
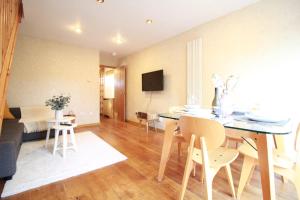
{"x": 112, "y": 92}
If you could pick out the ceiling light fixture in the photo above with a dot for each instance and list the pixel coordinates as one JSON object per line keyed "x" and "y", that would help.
{"x": 75, "y": 28}
{"x": 100, "y": 1}
{"x": 78, "y": 30}
{"x": 118, "y": 39}
{"x": 149, "y": 21}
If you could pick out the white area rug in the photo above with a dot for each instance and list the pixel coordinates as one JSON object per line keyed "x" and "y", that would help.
{"x": 36, "y": 166}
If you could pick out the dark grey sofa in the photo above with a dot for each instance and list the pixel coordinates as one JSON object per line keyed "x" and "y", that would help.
{"x": 10, "y": 143}
{"x": 16, "y": 112}
{"x": 11, "y": 139}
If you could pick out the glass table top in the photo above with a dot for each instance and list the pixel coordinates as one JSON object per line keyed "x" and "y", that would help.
{"x": 240, "y": 122}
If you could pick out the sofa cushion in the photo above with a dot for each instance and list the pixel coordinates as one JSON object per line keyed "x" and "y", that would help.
{"x": 12, "y": 130}
{"x": 10, "y": 144}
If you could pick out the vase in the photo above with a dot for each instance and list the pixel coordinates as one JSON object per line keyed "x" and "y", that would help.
{"x": 226, "y": 105}
{"x": 216, "y": 101}
{"x": 59, "y": 114}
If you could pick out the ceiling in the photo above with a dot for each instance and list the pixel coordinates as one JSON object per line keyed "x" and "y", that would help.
{"x": 100, "y": 23}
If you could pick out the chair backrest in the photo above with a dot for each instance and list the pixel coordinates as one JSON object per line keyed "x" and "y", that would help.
{"x": 283, "y": 142}
{"x": 211, "y": 130}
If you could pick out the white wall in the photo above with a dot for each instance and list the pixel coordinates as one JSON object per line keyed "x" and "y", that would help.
{"x": 260, "y": 44}
{"x": 108, "y": 59}
{"x": 43, "y": 68}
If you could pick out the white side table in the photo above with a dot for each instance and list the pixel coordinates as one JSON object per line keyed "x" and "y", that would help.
{"x": 53, "y": 122}
{"x": 58, "y": 127}
{"x": 64, "y": 129}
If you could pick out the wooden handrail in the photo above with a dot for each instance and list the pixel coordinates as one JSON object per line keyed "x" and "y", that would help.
{"x": 11, "y": 13}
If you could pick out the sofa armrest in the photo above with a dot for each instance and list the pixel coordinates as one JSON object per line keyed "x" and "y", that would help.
{"x": 8, "y": 157}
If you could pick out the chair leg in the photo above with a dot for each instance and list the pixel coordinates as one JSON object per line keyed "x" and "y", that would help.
{"x": 296, "y": 178}
{"x": 208, "y": 187}
{"x": 209, "y": 172}
{"x": 47, "y": 137}
{"x": 248, "y": 165}
{"x": 194, "y": 169}
{"x": 179, "y": 149}
{"x": 283, "y": 179}
{"x": 155, "y": 126}
{"x": 250, "y": 175}
{"x": 147, "y": 126}
{"x": 187, "y": 172}
{"x": 202, "y": 175}
{"x": 297, "y": 185}
{"x": 230, "y": 181}
{"x": 73, "y": 139}
{"x": 65, "y": 142}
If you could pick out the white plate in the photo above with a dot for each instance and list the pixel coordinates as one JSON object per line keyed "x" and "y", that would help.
{"x": 266, "y": 118}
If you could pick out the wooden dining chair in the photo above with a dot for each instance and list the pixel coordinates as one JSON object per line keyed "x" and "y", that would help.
{"x": 285, "y": 165}
{"x": 174, "y": 109}
{"x": 206, "y": 137}
{"x": 232, "y": 138}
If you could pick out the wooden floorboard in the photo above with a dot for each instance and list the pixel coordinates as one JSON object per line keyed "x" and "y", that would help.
{"x": 135, "y": 178}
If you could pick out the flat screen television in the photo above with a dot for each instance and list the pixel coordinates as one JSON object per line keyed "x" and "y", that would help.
{"x": 153, "y": 81}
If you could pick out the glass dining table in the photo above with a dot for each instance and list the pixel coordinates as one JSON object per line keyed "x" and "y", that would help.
{"x": 261, "y": 132}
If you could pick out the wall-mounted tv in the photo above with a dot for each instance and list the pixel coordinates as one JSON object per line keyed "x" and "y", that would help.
{"x": 153, "y": 81}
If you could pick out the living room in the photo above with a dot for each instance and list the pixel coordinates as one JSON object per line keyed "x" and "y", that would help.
{"x": 95, "y": 94}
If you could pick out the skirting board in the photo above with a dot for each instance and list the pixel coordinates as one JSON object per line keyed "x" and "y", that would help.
{"x": 138, "y": 124}
{"x": 87, "y": 125}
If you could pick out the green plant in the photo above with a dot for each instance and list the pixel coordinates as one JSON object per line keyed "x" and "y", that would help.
{"x": 58, "y": 102}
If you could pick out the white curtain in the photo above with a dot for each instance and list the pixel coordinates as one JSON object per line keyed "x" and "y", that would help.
{"x": 194, "y": 72}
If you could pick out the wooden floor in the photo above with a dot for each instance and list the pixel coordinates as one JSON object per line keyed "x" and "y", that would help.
{"x": 136, "y": 177}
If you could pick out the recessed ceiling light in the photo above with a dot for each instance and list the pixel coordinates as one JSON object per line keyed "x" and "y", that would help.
{"x": 75, "y": 28}
{"x": 100, "y": 1}
{"x": 149, "y": 21}
{"x": 118, "y": 39}
{"x": 114, "y": 53}
{"x": 78, "y": 30}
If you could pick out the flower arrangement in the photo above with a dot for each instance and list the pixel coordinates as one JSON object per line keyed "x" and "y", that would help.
{"x": 58, "y": 102}
{"x": 226, "y": 86}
